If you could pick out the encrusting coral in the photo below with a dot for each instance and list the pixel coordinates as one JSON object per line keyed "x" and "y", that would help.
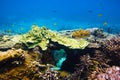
{"x": 20, "y": 64}
{"x": 41, "y": 37}
{"x": 10, "y": 54}
{"x": 8, "y": 42}
{"x": 80, "y": 33}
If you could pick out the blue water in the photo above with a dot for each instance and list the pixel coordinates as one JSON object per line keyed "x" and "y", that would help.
{"x": 19, "y": 15}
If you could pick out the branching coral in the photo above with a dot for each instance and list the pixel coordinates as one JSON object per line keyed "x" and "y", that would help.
{"x": 112, "y": 73}
{"x": 80, "y": 33}
{"x": 112, "y": 49}
{"x": 84, "y": 68}
{"x": 112, "y": 45}
{"x": 50, "y": 75}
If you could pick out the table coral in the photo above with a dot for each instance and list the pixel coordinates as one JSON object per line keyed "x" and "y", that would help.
{"x": 41, "y": 37}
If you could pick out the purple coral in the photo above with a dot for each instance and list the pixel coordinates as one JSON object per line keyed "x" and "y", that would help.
{"x": 112, "y": 45}
{"x": 111, "y": 48}
{"x": 112, "y": 73}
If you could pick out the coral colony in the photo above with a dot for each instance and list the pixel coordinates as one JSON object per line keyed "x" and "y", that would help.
{"x": 43, "y": 54}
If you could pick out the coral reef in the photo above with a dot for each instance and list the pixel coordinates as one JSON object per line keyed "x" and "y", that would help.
{"x": 41, "y": 37}
{"x": 8, "y": 42}
{"x": 98, "y": 33}
{"x": 80, "y": 33}
{"x": 54, "y": 75}
{"x": 112, "y": 45}
{"x": 84, "y": 68}
{"x": 42, "y": 54}
{"x": 6, "y": 45}
{"x": 36, "y": 37}
{"x": 99, "y": 58}
{"x": 112, "y": 49}
{"x": 50, "y": 75}
{"x": 111, "y": 73}
{"x": 10, "y": 54}
{"x": 20, "y": 64}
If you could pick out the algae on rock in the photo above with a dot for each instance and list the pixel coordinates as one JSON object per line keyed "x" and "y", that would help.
{"x": 41, "y": 37}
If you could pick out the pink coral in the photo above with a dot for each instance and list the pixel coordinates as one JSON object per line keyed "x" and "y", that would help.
{"x": 112, "y": 73}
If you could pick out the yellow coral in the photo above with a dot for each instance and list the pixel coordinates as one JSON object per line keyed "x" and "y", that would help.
{"x": 20, "y": 64}
{"x": 80, "y": 33}
{"x": 10, "y": 54}
{"x": 41, "y": 36}
{"x": 64, "y": 74}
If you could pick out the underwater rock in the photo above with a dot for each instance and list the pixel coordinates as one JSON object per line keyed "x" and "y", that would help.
{"x": 41, "y": 37}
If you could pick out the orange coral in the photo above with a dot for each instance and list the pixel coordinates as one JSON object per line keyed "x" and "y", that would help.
{"x": 80, "y": 33}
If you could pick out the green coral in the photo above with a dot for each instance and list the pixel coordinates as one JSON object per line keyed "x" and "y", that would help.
{"x": 40, "y": 36}
{"x": 36, "y": 37}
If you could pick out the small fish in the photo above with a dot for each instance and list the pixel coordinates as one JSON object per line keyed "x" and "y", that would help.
{"x": 90, "y": 11}
{"x": 54, "y": 11}
{"x": 9, "y": 31}
{"x": 12, "y": 25}
{"x": 105, "y": 24}
{"x": 100, "y": 15}
{"x": 100, "y": 3}
{"x": 55, "y": 24}
{"x": 21, "y": 28}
